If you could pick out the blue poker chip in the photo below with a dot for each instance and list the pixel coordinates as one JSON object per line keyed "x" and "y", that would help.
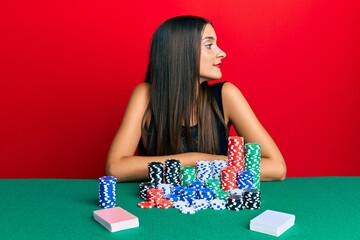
{"x": 196, "y": 185}
{"x": 205, "y": 193}
{"x": 172, "y": 197}
{"x": 107, "y": 191}
{"x": 188, "y": 194}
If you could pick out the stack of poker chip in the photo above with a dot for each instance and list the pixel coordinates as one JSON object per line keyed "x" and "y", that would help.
{"x": 232, "y": 191}
{"x": 237, "y": 192}
{"x": 155, "y": 198}
{"x": 188, "y": 210}
{"x": 252, "y": 162}
{"x": 236, "y": 153}
{"x": 252, "y": 199}
{"x": 245, "y": 180}
{"x": 196, "y": 184}
{"x": 143, "y": 188}
{"x": 218, "y": 204}
{"x": 155, "y": 173}
{"x": 235, "y": 203}
{"x": 172, "y": 197}
{"x": 155, "y": 194}
{"x": 205, "y": 193}
{"x": 216, "y": 166}
{"x": 107, "y": 191}
{"x": 188, "y": 174}
{"x": 181, "y": 204}
{"x": 203, "y": 170}
{"x": 228, "y": 178}
{"x": 177, "y": 190}
{"x": 213, "y": 184}
{"x": 188, "y": 194}
{"x": 172, "y": 172}
{"x": 163, "y": 203}
{"x": 222, "y": 195}
{"x": 200, "y": 204}
{"x": 166, "y": 188}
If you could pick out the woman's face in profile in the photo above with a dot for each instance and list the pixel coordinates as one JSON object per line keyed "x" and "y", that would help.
{"x": 211, "y": 56}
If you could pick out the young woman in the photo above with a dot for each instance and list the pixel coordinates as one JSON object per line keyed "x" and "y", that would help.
{"x": 176, "y": 114}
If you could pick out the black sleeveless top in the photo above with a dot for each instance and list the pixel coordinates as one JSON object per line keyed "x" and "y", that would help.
{"x": 221, "y": 129}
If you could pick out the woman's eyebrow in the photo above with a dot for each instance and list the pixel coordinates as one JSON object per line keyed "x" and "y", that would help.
{"x": 209, "y": 37}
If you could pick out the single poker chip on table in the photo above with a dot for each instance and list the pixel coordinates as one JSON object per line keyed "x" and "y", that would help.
{"x": 146, "y": 204}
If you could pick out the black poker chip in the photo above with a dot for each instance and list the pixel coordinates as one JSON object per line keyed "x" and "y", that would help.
{"x": 172, "y": 172}
{"x": 155, "y": 173}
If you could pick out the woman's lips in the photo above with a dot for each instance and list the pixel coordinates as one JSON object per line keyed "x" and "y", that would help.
{"x": 218, "y": 65}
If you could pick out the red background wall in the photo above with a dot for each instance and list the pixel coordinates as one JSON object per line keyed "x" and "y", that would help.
{"x": 68, "y": 67}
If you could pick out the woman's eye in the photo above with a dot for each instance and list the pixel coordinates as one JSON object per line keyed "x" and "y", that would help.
{"x": 208, "y": 46}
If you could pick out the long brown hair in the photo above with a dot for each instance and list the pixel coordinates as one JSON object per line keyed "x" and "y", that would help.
{"x": 176, "y": 95}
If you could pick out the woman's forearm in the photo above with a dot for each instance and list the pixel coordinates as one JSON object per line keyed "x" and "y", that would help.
{"x": 271, "y": 170}
{"x": 135, "y": 168}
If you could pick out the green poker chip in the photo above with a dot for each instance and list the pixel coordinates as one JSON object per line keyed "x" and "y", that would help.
{"x": 252, "y": 162}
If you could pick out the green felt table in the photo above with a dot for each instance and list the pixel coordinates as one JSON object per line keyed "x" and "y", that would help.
{"x": 325, "y": 208}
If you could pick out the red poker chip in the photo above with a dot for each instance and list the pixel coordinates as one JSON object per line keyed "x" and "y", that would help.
{"x": 163, "y": 203}
{"x": 146, "y": 204}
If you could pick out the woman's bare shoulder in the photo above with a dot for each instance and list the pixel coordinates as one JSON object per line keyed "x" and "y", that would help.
{"x": 229, "y": 89}
{"x": 142, "y": 89}
{"x": 140, "y": 94}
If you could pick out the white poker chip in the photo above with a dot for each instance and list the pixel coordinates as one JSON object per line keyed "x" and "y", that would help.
{"x": 237, "y": 191}
{"x": 200, "y": 204}
{"x": 181, "y": 204}
{"x": 218, "y": 204}
{"x": 188, "y": 210}
{"x": 166, "y": 188}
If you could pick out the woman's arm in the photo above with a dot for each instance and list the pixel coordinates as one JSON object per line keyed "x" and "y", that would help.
{"x": 121, "y": 161}
{"x": 239, "y": 113}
